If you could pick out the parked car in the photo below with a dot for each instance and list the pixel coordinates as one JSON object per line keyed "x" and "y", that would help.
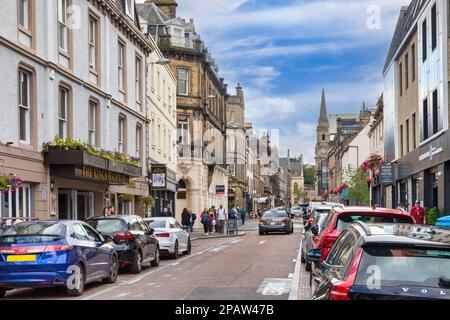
{"x": 133, "y": 240}
{"x": 173, "y": 240}
{"x": 386, "y": 262}
{"x": 297, "y": 211}
{"x": 276, "y": 221}
{"x": 339, "y": 219}
{"x": 315, "y": 213}
{"x": 69, "y": 254}
{"x": 310, "y": 240}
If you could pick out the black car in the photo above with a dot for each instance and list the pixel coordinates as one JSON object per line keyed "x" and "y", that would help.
{"x": 133, "y": 240}
{"x": 385, "y": 262}
{"x": 276, "y": 221}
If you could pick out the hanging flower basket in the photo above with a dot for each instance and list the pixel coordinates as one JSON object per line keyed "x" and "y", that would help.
{"x": 126, "y": 198}
{"x": 10, "y": 182}
{"x": 148, "y": 202}
{"x": 372, "y": 162}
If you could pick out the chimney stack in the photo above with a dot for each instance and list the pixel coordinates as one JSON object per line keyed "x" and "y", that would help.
{"x": 169, "y": 7}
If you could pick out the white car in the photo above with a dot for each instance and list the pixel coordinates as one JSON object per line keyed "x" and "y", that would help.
{"x": 173, "y": 240}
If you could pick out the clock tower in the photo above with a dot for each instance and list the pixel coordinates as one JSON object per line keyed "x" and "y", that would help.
{"x": 322, "y": 148}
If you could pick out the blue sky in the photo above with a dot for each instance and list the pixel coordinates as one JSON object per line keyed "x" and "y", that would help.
{"x": 283, "y": 52}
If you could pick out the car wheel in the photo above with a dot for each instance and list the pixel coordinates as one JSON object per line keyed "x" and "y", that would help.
{"x": 189, "y": 247}
{"x": 261, "y": 233}
{"x": 2, "y": 293}
{"x": 292, "y": 229}
{"x": 155, "y": 262}
{"x": 308, "y": 266}
{"x": 114, "y": 270}
{"x": 75, "y": 285}
{"x": 137, "y": 265}
{"x": 176, "y": 253}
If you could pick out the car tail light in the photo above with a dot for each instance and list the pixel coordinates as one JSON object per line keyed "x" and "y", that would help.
{"x": 123, "y": 236}
{"x": 163, "y": 235}
{"x": 34, "y": 249}
{"x": 261, "y": 221}
{"x": 58, "y": 248}
{"x": 284, "y": 221}
{"x": 328, "y": 241}
{"x": 341, "y": 290}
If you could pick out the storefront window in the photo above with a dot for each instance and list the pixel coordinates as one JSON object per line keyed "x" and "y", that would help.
{"x": 17, "y": 203}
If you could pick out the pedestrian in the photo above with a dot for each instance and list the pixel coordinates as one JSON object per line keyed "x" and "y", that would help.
{"x": 233, "y": 213}
{"x": 168, "y": 211}
{"x": 205, "y": 219}
{"x": 185, "y": 219}
{"x": 243, "y": 215}
{"x": 111, "y": 210}
{"x": 105, "y": 212}
{"x": 193, "y": 218}
{"x": 221, "y": 218}
{"x": 418, "y": 213}
{"x": 213, "y": 222}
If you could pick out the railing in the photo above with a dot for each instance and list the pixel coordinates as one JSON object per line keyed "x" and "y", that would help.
{"x": 181, "y": 42}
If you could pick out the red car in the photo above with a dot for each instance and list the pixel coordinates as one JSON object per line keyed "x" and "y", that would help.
{"x": 339, "y": 219}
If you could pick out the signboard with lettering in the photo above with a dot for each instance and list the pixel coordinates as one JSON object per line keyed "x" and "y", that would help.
{"x": 103, "y": 175}
{"x": 159, "y": 177}
{"x": 220, "y": 190}
{"x": 387, "y": 174}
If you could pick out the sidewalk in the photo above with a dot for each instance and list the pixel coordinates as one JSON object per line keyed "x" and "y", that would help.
{"x": 250, "y": 225}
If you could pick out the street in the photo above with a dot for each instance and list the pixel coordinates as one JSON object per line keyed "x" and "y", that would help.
{"x": 249, "y": 267}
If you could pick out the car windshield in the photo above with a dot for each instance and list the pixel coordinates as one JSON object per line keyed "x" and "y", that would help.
{"x": 321, "y": 219}
{"x": 345, "y": 220}
{"x": 36, "y": 232}
{"x": 155, "y": 224}
{"x": 404, "y": 266}
{"x": 108, "y": 226}
{"x": 274, "y": 215}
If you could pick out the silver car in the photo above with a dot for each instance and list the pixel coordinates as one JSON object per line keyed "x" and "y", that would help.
{"x": 173, "y": 240}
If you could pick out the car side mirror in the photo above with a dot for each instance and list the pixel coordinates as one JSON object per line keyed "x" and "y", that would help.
{"x": 314, "y": 255}
{"x": 151, "y": 231}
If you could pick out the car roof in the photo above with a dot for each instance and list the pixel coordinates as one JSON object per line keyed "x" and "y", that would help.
{"x": 323, "y": 207}
{"x": 377, "y": 211}
{"x": 412, "y": 234}
{"x": 118, "y": 216}
{"x": 158, "y": 218}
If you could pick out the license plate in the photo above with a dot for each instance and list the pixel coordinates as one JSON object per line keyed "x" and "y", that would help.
{"x": 21, "y": 258}
{"x": 273, "y": 223}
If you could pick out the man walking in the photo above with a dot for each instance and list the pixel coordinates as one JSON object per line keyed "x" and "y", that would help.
{"x": 243, "y": 215}
{"x": 186, "y": 219}
{"x": 221, "y": 218}
{"x": 418, "y": 213}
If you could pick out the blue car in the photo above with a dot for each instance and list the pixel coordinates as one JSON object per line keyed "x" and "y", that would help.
{"x": 69, "y": 254}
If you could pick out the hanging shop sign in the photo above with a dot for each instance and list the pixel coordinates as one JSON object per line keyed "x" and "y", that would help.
{"x": 220, "y": 190}
{"x": 387, "y": 174}
{"x": 159, "y": 177}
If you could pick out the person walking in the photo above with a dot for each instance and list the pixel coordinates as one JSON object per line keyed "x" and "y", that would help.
{"x": 168, "y": 211}
{"x": 418, "y": 213}
{"x": 186, "y": 219}
{"x": 221, "y": 218}
{"x": 212, "y": 223}
{"x": 193, "y": 218}
{"x": 111, "y": 210}
{"x": 243, "y": 213}
{"x": 105, "y": 212}
{"x": 205, "y": 219}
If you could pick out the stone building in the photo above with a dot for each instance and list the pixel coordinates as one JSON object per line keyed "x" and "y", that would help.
{"x": 201, "y": 108}
{"x": 322, "y": 148}
{"x": 73, "y": 69}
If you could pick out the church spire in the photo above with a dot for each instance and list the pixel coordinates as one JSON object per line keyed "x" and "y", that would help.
{"x": 323, "y": 108}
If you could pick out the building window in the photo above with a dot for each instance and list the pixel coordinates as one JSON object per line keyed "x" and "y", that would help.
{"x": 93, "y": 43}
{"x": 425, "y": 119}
{"x": 63, "y": 32}
{"x": 183, "y": 133}
{"x": 406, "y": 71}
{"x": 16, "y": 204}
{"x": 323, "y": 137}
{"x": 63, "y": 112}
{"x": 122, "y": 134}
{"x": 121, "y": 56}
{"x": 138, "y": 141}
{"x": 158, "y": 83}
{"x": 400, "y": 76}
{"x": 413, "y": 62}
{"x": 138, "y": 82}
{"x": 25, "y": 83}
{"x": 25, "y": 14}
{"x": 424, "y": 40}
{"x": 183, "y": 81}
{"x": 407, "y": 136}
{"x": 435, "y": 112}
{"x": 414, "y": 130}
{"x": 93, "y": 123}
{"x": 401, "y": 141}
{"x": 433, "y": 27}
{"x": 130, "y": 8}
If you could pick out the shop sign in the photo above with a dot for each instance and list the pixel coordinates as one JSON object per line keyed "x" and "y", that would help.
{"x": 386, "y": 174}
{"x": 103, "y": 175}
{"x": 431, "y": 153}
{"x": 159, "y": 177}
{"x": 220, "y": 190}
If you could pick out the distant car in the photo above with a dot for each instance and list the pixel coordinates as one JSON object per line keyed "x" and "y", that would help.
{"x": 133, "y": 240}
{"x": 315, "y": 213}
{"x": 275, "y": 221}
{"x": 173, "y": 240}
{"x": 310, "y": 239}
{"x": 339, "y": 219}
{"x": 386, "y": 262}
{"x": 297, "y": 211}
{"x": 69, "y": 254}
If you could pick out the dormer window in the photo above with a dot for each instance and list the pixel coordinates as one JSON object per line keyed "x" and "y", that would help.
{"x": 129, "y": 8}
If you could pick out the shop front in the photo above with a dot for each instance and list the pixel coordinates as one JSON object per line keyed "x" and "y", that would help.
{"x": 163, "y": 190}
{"x": 82, "y": 184}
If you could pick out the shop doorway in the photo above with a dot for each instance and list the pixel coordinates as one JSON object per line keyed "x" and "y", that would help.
{"x": 75, "y": 204}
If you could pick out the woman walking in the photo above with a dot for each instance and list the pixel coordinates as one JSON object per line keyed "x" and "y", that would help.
{"x": 186, "y": 219}
{"x": 205, "y": 219}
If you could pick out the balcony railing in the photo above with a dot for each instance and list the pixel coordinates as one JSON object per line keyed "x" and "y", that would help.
{"x": 181, "y": 42}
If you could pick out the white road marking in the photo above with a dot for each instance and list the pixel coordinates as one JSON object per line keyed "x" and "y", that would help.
{"x": 175, "y": 264}
{"x": 150, "y": 284}
{"x": 293, "y": 295}
{"x": 148, "y": 273}
{"x": 236, "y": 241}
{"x": 134, "y": 281}
{"x": 122, "y": 295}
{"x": 218, "y": 249}
{"x": 262, "y": 242}
{"x": 275, "y": 287}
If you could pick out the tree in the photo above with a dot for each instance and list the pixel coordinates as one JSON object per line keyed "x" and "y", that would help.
{"x": 358, "y": 190}
{"x": 309, "y": 174}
